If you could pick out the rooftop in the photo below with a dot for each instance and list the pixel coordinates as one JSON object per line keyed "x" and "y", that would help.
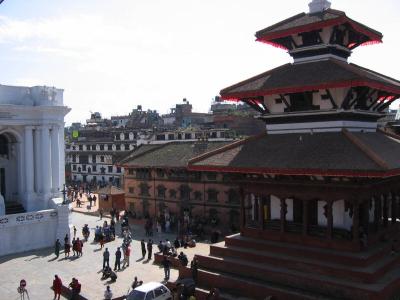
{"x": 174, "y": 154}
{"x": 110, "y": 190}
{"x": 304, "y": 22}
{"x": 372, "y": 154}
{"x": 323, "y": 74}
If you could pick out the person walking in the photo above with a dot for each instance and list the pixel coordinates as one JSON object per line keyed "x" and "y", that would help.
{"x": 167, "y": 267}
{"x": 143, "y": 248}
{"x": 74, "y": 232}
{"x": 117, "y": 260}
{"x": 57, "y": 247}
{"x": 66, "y": 239}
{"x": 149, "y": 248}
{"x": 101, "y": 213}
{"x": 67, "y": 249}
{"x": 74, "y": 246}
{"x": 79, "y": 246}
{"x": 101, "y": 240}
{"x": 57, "y": 285}
{"x": 108, "y": 293}
{"x": 194, "y": 268}
{"x": 127, "y": 253}
{"x": 106, "y": 258}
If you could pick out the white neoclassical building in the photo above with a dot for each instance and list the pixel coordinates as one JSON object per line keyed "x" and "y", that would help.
{"x": 31, "y": 163}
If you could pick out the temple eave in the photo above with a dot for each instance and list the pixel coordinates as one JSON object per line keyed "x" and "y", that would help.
{"x": 238, "y": 96}
{"x": 298, "y": 172}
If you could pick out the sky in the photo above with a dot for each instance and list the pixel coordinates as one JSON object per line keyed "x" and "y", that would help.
{"x": 112, "y": 55}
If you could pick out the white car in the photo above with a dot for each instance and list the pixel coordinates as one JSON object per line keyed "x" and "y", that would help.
{"x": 150, "y": 291}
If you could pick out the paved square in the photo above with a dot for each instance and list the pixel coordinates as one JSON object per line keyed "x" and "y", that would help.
{"x": 39, "y": 267}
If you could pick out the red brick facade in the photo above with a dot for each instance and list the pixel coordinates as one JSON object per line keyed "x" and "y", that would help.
{"x": 154, "y": 192}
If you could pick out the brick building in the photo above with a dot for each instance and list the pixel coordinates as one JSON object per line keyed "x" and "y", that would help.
{"x": 157, "y": 183}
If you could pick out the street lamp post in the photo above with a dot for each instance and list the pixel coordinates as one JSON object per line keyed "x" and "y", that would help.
{"x": 64, "y": 192}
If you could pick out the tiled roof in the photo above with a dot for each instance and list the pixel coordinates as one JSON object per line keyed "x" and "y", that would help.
{"x": 110, "y": 190}
{"x": 173, "y": 154}
{"x": 137, "y": 152}
{"x": 302, "y": 77}
{"x": 335, "y": 153}
{"x": 302, "y": 20}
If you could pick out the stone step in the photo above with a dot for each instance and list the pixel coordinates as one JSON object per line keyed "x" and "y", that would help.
{"x": 360, "y": 259}
{"x": 330, "y": 268}
{"x": 203, "y": 292}
{"x": 321, "y": 284}
{"x": 238, "y": 287}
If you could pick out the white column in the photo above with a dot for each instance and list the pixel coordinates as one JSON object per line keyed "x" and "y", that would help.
{"x": 38, "y": 161}
{"x": 61, "y": 148}
{"x": 21, "y": 175}
{"x": 29, "y": 171}
{"x": 55, "y": 163}
{"x": 46, "y": 181}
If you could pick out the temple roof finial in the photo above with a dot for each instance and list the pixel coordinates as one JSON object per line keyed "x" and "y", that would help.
{"x": 318, "y": 6}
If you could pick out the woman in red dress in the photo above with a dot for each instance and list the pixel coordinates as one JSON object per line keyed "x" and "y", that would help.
{"x": 57, "y": 285}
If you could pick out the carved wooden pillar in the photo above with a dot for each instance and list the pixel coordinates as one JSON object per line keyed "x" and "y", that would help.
{"x": 242, "y": 209}
{"x": 356, "y": 221}
{"x": 305, "y": 216}
{"x": 261, "y": 203}
{"x": 378, "y": 212}
{"x": 329, "y": 212}
{"x": 394, "y": 208}
{"x": 283, "y": 215}
{"x": 385, "y": 211}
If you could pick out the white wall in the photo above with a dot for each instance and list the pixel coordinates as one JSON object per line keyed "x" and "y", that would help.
{"x": 34, "y": 230}
{"x": 28, "y": 231}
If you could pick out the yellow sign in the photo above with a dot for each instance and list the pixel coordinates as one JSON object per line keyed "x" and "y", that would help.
{"x": 75, "y": 133}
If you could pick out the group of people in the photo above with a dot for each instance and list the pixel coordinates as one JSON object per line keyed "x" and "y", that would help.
{"x": 148, "y": 247}
{"x": 126, "y": 253}
{"x": 74, "y": 287}
{"x": 123, "y": 253}
{"x": 105, "y": 233}
{"x": 77, "y": 246}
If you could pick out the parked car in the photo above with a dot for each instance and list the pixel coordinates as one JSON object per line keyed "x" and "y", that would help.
{"x": 150, "y": 291}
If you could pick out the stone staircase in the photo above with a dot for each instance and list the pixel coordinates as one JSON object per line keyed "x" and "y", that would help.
{"x": 14, "y": 208}
{"x": 247, "y": 267}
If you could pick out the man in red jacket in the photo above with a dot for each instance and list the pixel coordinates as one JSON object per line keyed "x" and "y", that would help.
{"x": 127, "y": 253}
{"x": 57, "y": 285}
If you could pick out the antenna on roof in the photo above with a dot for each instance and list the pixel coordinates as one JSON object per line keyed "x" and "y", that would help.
{"x": 317, "y": 6}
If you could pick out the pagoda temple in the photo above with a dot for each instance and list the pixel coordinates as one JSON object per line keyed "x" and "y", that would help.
{"x": 320, "y": 203}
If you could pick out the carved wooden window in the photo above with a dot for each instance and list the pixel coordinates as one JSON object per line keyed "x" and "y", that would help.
{"x": 144, "y": 189}
{"x": 161, "y": 191}
{"x": 212, "y": 195}
{"x": 198, "y": 195}
{"x": 233, "y": 196}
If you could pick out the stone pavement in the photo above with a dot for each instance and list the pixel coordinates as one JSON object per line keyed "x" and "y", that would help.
{"x": 84, "y": 206}
{"x": 39, "y": 267}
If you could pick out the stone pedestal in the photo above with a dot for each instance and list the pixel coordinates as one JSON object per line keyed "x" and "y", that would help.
{"x": 64, "y": 226}
{"x": 2, "y": 206}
